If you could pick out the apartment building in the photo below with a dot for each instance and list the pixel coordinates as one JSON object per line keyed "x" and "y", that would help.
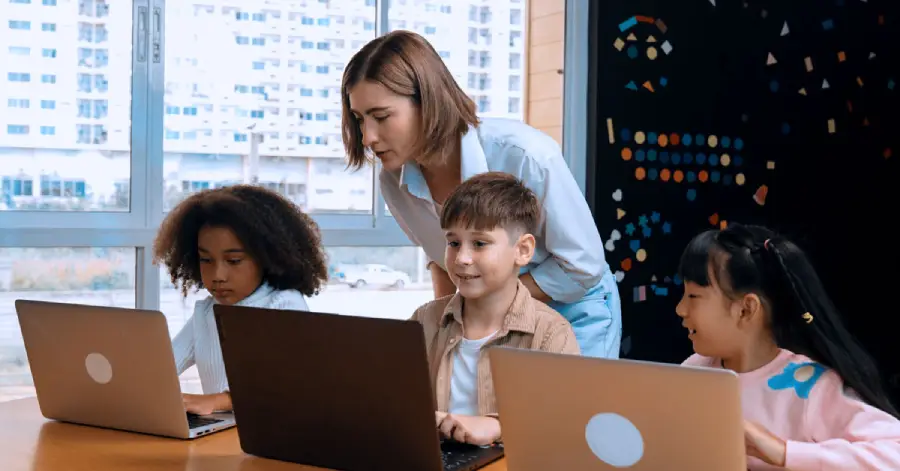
{"x": 251, "y": 93}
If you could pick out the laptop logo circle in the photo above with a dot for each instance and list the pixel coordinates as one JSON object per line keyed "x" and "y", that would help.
{"x": 98, "y": 368}
{"x": 614, "y": 439}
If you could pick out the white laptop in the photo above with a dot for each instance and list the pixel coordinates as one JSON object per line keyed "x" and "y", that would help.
{"x": 108, "y": 367}
{"x": 577, "y": 413}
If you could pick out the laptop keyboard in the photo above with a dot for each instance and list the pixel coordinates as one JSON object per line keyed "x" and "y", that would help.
{"x": 195, "y": 421}
{"x": 462, "y": 457}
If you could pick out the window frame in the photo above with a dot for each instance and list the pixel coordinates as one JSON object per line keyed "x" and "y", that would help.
{"x": 137, "y": 227}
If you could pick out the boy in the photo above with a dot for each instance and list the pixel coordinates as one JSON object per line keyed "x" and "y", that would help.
{"x": 488, "y": 222}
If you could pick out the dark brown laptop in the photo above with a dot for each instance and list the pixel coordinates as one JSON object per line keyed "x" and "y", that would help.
{"x": 334, "y": 391}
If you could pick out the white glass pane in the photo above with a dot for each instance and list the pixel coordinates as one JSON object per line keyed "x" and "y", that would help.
{"x": 253, "y": 96}
{"x": 96, "y": 276}
{"x": 65, "y": 105}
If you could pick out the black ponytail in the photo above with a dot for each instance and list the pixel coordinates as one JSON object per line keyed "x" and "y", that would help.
{"x": 753, "y": 259}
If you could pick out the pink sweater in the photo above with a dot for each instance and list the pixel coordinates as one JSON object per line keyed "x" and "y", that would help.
{"x": 826, "y": 428}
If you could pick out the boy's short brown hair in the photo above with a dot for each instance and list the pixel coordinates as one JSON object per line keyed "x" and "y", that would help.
{"x": 406, "y": 64}
{"x": 492, "y": 200}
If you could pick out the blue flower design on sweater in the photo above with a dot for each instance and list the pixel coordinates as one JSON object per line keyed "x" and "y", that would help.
{"x": 799, "y": 376}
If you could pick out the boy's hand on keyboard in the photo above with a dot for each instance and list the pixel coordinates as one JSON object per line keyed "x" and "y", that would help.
{"x": 204, "y": 404}
{"x": 475, "y": 430}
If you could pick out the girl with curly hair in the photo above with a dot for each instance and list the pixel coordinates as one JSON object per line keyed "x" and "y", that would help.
{"x": 246, "y": 246}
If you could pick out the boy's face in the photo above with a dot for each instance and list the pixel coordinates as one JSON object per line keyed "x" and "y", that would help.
{"x": 228, "y": 272}
{"x": 482, "y": 262}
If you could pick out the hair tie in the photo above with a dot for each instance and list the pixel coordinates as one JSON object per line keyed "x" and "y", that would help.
{"x": 808, "y": 318}
{"x": 766, "y": 244}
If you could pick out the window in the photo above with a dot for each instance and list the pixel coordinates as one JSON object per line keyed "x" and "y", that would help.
{"x": 20, "y": 25}
{"x": 515, "y": 17}
{"x": 254, "y": 98}
{"x": 19, "y": 50}
{"x": 95, "y": 276}
{"x": 81, "y": 130}
{"x": 18, "y": 77}
{"x": 515, "y": 105}
{"x": 19, "y": 103}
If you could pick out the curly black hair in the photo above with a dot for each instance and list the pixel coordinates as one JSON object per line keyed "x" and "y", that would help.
{"x": 284, "y": 241}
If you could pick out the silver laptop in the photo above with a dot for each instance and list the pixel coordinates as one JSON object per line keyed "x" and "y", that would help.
{"x": 576, "y": 413}
{"x": 108, "y": 367}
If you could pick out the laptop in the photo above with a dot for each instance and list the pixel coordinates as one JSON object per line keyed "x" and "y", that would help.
{"x": 108, "y": 367}
{"x": 597, "y": 414}
{"x": 337, "y": 392}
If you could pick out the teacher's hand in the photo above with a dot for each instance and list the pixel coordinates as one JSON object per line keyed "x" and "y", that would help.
{"x": 533, "y": 288}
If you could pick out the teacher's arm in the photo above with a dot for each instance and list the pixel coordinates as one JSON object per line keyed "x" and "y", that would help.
{"x": 576, "y": 262}
{"x": 440, "y": 281}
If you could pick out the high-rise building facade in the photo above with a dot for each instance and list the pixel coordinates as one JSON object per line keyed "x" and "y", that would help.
{"x": 252, "y": 93}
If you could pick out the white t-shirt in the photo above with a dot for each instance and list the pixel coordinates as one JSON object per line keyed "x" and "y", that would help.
{"x": 464, "y": 382}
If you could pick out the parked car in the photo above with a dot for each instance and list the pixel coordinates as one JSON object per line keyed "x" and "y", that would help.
{"x": 358, "y": 276}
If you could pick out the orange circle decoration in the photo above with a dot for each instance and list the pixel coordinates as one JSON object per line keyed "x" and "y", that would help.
{"x": 663, "y": 140}
{"x": 626, "y": 154}
{"x": 678, "y": 176}
{"x": 665, "y": 174}
{"x": 640, "y": 173}
{"x": 674, "y": 139}
{"x": 703, "y": 176}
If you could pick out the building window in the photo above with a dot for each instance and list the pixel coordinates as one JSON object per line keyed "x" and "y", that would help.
{"x": 20, "y": 25}
{"x": 306, "y": 92}
{"x": 239, "y": 137}
{"x": 18, "y": 103}
{"x": 48, "y": 78}
{"x": 19, "y": 129}
{"x": 48, "y": 104}
{"x": 48, "y": 130}
{"x": 18, "y": 77}
{"x": 49, "y": 53}
{"x": 515, "y": 105}
{"x": 50, "y": 3}
{"x": 515, "y": 60}
{"x": 323, "y": 21}
{"x": 19, "y": 51}
{"x": 515, "y": 17}
{"x": 430, "y": 30}
{"x": 321, "y": 69}
{"x": 259, "y": 65}
{"x": 48, "y": 27}
{"x": 323, "y": 46}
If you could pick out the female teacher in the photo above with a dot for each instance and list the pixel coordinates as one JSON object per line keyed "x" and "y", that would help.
{"x": 402, "y": 104}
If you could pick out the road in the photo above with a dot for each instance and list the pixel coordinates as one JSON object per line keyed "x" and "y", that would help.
{"x": 15, "y": 377}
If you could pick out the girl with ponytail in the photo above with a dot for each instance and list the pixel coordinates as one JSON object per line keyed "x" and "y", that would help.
{"x": 812, "y": 397}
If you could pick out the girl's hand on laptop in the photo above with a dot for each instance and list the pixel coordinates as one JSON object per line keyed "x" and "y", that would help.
{"x": 205, "y": 404}
{"x": 475, "y": 430}
{"x": 764, "y": 445}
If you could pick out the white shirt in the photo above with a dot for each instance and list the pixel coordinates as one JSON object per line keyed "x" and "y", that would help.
{"x": 569, "y": 257}
{"x": 198, "y": 341}
{"x": 464, "y": 379}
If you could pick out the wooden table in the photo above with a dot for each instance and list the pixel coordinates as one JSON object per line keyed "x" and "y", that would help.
{"x": 28, "y": 442}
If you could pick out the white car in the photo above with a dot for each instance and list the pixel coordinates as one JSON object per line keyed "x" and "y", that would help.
{"x": 358, "y": 276}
